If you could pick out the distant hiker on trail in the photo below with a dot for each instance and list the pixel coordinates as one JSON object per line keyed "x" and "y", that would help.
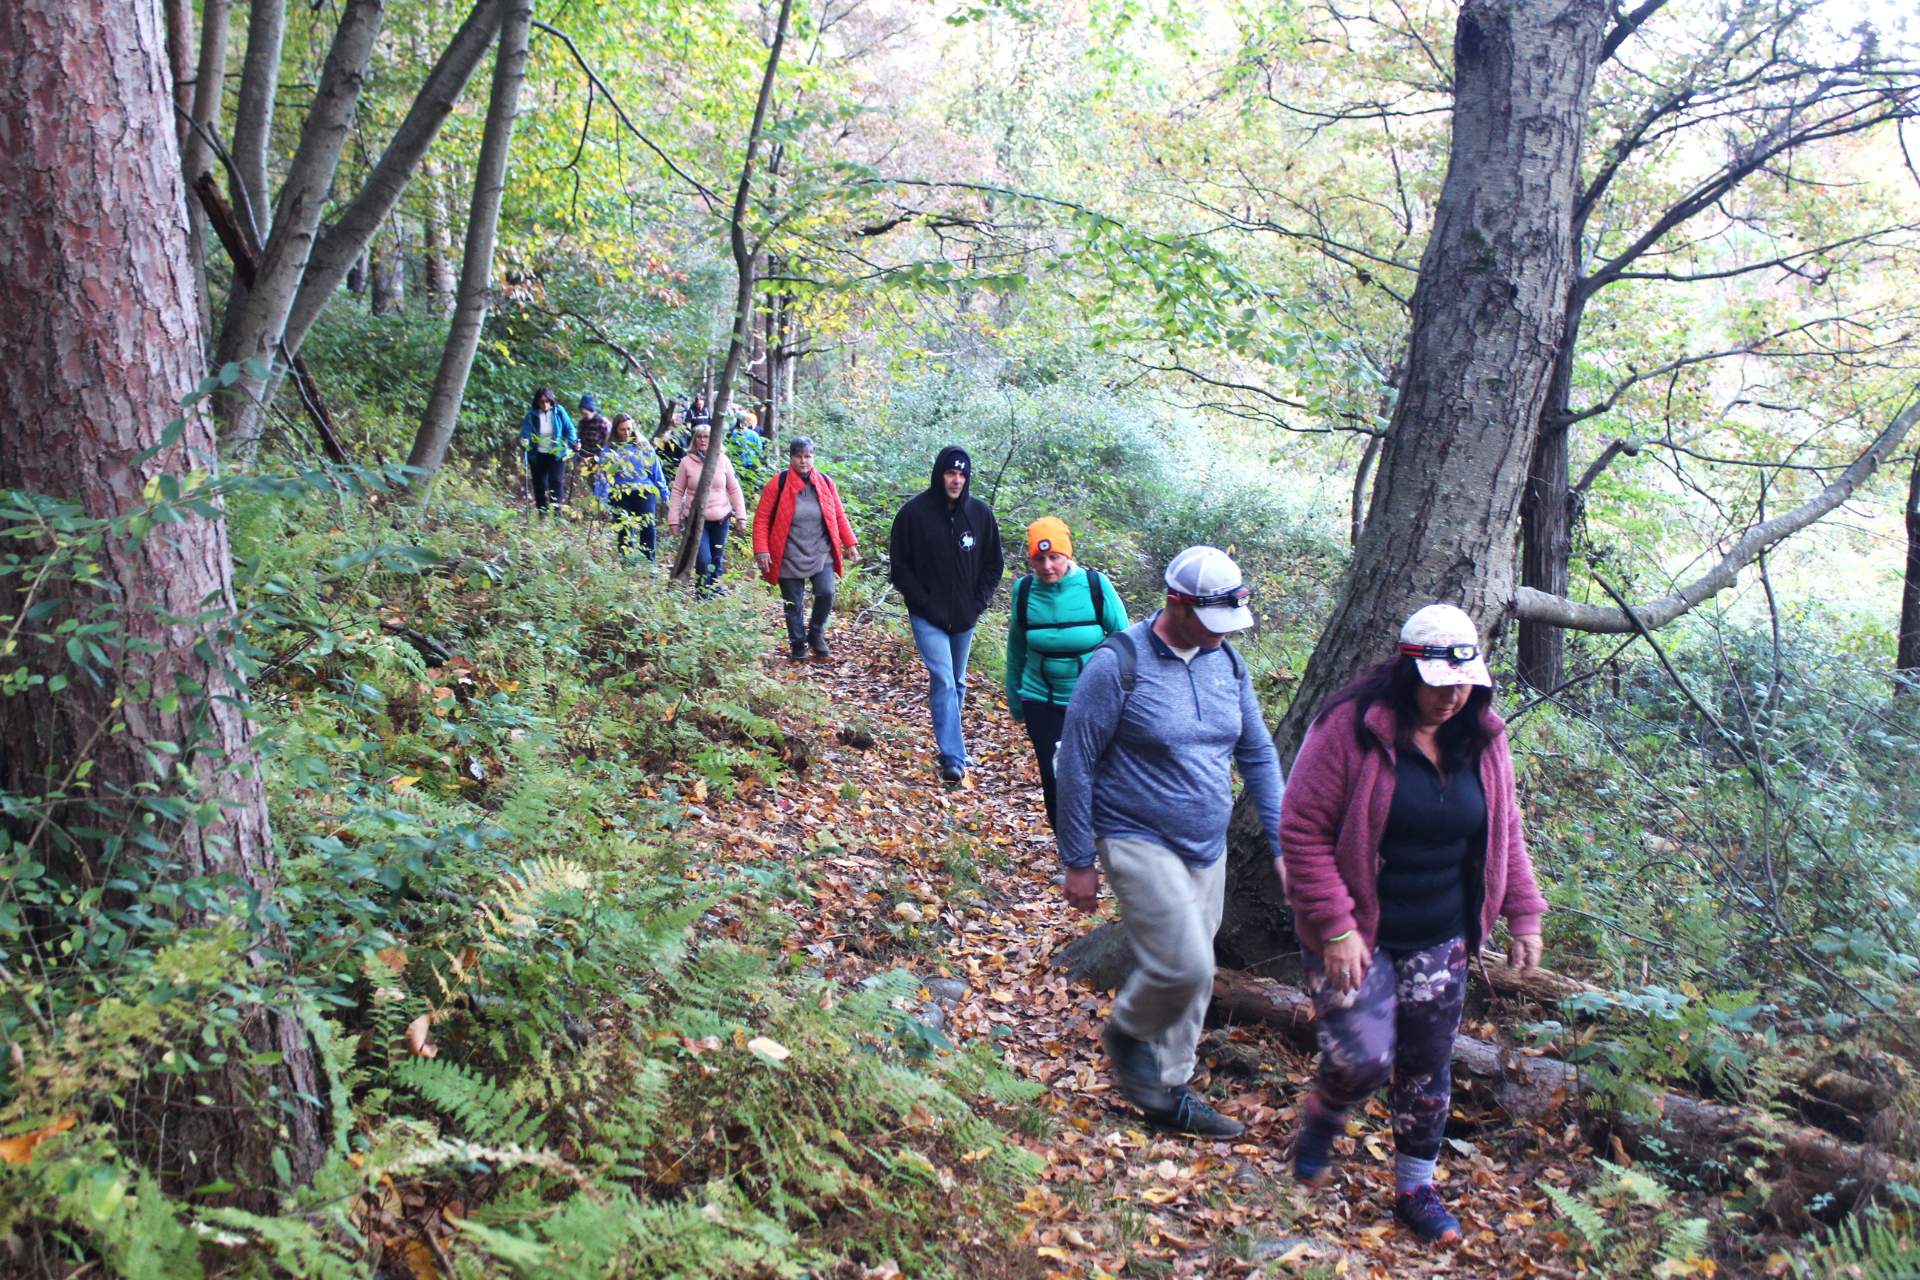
{"x": 945, "y": 549}
{"x": 746, "y": 444}
{"x": 726, "y": 504}
{"x": 697, "y": 411}
{"x": 1162, "y": 712}
{"x": 1060, "y": 615}
{"x": 593, "y": 427}
{"x": 548, "y": 436}
{"x": 631, "y": 482}
{"x": 1403, "y": 848}
{"x": 671, "y": 443}
{"x": 801, "y": 534}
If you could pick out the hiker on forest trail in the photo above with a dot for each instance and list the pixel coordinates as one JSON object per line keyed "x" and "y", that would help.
{"x": 1060, "y": 615}
{"x": 1402, "y": 849}
{"x": 1161, "y": 713}
{"x": 726, "y": 504}
{"x": 945, "y": 552}
{"x": 801, "y": 534}
{"x": 630, "y": 481}
{"x": 548, "y": 437}
{"x": 592, "y": 429}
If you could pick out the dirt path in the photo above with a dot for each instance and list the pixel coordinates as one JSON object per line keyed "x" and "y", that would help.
{"x": 956, "y": 885}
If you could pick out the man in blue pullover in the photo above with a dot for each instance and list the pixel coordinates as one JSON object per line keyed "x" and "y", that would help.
{"x": 1145, "y": 786}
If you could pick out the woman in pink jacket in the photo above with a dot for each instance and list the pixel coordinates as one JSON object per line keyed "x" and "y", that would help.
{"x": 1401, "y": 848}
{"x": 725, "y": 503}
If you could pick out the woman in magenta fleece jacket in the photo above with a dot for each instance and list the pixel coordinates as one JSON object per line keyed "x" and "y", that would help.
{"x": 1401, "y": 845}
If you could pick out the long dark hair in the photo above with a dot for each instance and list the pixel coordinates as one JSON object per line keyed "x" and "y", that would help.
{"x": 1395, "y": 682}
{"x": 543, "y": 392}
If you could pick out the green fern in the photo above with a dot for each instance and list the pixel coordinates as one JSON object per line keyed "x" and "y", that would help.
{"x": 1869, "y": 1248}
{"x": 484, "y": 1111}
{"x": 1583, "y": 1217}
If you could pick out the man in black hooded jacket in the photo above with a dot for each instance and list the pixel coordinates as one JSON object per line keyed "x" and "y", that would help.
{"x": 945, "y": 551}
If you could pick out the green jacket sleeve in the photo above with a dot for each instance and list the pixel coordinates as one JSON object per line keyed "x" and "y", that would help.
{"x": 1016, "y": 657}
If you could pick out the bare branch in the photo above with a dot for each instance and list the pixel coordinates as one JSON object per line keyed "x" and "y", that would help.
{"x": 1538, "y": 606}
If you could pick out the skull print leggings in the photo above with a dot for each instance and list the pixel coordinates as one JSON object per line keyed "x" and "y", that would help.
{"x": 1400, "y": 1023}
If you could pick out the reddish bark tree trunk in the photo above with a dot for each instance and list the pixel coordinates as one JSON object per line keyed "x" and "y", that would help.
{"x": 1487, "y": 319}
{"x": 93, "y": 225}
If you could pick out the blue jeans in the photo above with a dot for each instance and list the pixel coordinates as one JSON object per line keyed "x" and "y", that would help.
{"x": 708, "y": 557}
{"x": 945, "y": 655}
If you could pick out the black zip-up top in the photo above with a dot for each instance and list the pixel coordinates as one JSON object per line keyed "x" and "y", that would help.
{"x": 946, "y": 556}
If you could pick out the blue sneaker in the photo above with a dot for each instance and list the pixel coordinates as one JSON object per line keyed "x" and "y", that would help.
{"x": 1421, "y": 1212}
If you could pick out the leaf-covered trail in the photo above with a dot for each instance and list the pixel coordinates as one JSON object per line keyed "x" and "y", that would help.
{"x": 957, "y": 886}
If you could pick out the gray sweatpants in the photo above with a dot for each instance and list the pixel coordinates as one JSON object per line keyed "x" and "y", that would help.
{"x": 1171, "y": 910}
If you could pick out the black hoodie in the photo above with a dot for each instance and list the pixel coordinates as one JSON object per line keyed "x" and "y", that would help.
{"x": 946, "y": 557}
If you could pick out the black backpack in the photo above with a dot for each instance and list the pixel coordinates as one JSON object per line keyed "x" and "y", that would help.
{"x": 1025, "y": 589}
{"x": 1129, "y": 659}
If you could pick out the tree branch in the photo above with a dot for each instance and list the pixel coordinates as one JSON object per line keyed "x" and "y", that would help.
{"x": 1538, "y": 606}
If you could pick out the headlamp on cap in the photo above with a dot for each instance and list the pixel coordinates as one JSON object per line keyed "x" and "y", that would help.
{"x": 1231, "y": 598}
{"x": 1454, "y": 653}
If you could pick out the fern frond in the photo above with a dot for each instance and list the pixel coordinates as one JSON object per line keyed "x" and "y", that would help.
{"x": 483, "y": 1111}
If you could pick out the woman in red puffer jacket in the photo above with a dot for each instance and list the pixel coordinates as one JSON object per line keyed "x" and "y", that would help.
{"x": 801, "y": 534}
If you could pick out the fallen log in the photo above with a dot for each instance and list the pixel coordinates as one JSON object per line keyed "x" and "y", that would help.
{"x": 1711, "y": 1139}
{"x": 1104, "y": 957}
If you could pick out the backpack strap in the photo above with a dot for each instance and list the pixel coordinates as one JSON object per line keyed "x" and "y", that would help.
{"x": 1093, "y": 593}
{"x": 1129, "y": 659}
{"x": 1021, "y": 591}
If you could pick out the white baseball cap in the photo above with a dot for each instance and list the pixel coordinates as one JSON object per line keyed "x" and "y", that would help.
{"x": 1209, "y": 580}
{"x": 1445, "y": 646}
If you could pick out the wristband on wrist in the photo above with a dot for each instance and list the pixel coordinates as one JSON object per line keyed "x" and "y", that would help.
{"x": 1341, "y": 937}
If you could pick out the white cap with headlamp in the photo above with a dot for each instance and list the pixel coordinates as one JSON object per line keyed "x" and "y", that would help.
{"x": 1445, "y": 645}
{"x": 1209, "y": 580}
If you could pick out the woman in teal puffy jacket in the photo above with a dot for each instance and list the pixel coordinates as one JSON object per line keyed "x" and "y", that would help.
{"x": 1060, "y": 615}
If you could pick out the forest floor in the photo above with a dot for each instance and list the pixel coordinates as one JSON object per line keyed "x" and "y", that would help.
{"x": 956, "y": 885}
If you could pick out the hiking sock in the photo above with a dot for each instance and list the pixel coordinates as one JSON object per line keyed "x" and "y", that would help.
{"x": 1411, "y": 1172}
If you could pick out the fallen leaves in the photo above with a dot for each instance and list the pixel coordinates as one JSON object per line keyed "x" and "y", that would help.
{"x": 20, "y": 1148}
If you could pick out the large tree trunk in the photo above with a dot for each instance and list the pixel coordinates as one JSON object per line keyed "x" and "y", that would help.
{"x": 1487, "y": 319}
{"x": 476, "y": 267}
{"x": 1546, "y": 516}
{"x": 745, "y": 259}
{"x": 92, "y": 224}
{"x": 196, "y": 156}
{"x": 1907, "y": 652}
{"x": 255, "y": 334}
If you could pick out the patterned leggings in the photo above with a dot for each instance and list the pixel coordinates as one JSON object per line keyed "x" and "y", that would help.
{"x": 1401, "y": 1022}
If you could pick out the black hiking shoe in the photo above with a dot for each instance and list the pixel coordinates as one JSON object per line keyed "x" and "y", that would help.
{"x": 1196, "y": 1119}
{"x": 796, "y": 653}
{"x": 952, "y": 774}
{"x": 1131, "y": 1063}
{"x": 818, "y": 643}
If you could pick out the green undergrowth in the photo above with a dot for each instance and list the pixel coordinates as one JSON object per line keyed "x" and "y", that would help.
{"x": 553, "y": 1035}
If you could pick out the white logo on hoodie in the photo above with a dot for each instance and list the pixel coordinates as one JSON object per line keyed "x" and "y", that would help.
{"x": 966, "y": 540}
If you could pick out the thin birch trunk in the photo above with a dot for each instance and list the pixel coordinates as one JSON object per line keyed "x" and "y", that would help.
{"x": 476, "y": 268}
{"x": 743, "y": 263}
{"x": 256, "y": 333}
